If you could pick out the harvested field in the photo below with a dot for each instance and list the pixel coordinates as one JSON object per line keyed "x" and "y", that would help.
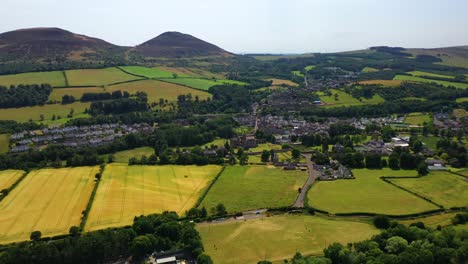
{"x": 54, "y": 78}
{"x": 97, "y": 77}
{"x": 9, "y": 177}
{"x": 34, "y": 113}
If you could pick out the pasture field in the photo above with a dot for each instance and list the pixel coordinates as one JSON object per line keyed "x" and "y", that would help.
{"x": 429, "y": 141}
{"x": 432, "y": 221}
{"x": 423, "y": 80}
{"x": 76, "y": 92}
{"x": 4, "y": 143}
{"x": 390, "y": 83}
{"x": 202, "y": 84}
{"x": 54, "y": 78}
{"x": 417, "y": 118}
{"x": 124, "y": 156}
{"x": 298, "y": 73}
{"x": 280, "y": 82}
{"x": 48, "y": 200}
{"x": 9, "y": 177}
{"x": 24, "y": 114}
{"x": 309, "y": 67}
{"x": 191, "y": 72}
{"x": 148, "y": 72}
{"x": 429, "y": 74}
{"x": 442, "y": 188}
{"x": 242, "y": 188}
{"x": 128, "y": 191}
{"x": 217, "y": 142}
{"x": 462, "y": 100}
{"x": 412, "y": 98}
{"x": 265, "y": 146}
{"x": 367, "y": 194}
{"x": 98, "y": 77}
{"x": 369, "y": 69}
{"x": 157, "y": 89}
{"x": 345, "y": 99}
{"x": 278, "y": 237}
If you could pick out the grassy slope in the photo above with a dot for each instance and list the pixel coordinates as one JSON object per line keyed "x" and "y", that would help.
{"x": 124, "y": 156}
{"x": 419, "y": 79}
{"x": 54, "y": 78}
{"x": 23, "y": 114}
{"x": 345, "y": 99}
{"x": 366, "y": 193}
{"x": 49, "y": 200}
{"x": 278, "y": 237}
{"x": 279, "y": 82}
{"x": 441, "y": 187}
{"x": 4, "y": 143}
{"x": 417, "y": 118}
{"x": 202, "y": 84}
{"x": 149, "y": 72}
{"x": 97, "y": 77}
{"x": 129, "y": 191}
{"x": 9, "y": 177}
{"x": 429, "y": 74}
{"x": 432, "y": 221}
{"x": 242, "y": 188}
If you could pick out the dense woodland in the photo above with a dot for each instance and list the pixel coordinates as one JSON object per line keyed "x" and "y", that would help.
{"x": 24, "y": 95}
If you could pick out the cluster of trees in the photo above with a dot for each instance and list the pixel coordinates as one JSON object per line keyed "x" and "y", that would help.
{"x": 119, "y": 106}
{"x": 90, "y": 97}
{"x": 398, "y": 244}
{"x": 10, "y": 126}
{"x": 24, "y": 95}
{"x": 152, "y": 233}
{"x": 453, "y": 152}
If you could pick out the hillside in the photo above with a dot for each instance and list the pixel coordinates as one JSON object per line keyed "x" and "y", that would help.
{"x": 176, "y": 44}
{"x": 452, "y": 56}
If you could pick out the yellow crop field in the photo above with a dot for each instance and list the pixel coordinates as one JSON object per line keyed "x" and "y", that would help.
{"x": 128, "y": 191}
{"x": 24, "y": 114}
{"x": 54, "y": 78}
{"x": 48, "y": 200}
{"x": 97, "y": 77}
{"x": 76, "y": 92}
{"x": 9, "y": 177}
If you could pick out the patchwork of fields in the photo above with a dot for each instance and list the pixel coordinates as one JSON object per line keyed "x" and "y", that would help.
{"x": 277, "y": 238}
{"x": 367, "y": 194}
{"x": 242, "y": 188}
{"x": 49, "y": 200}
{"x": 128, "y": 191}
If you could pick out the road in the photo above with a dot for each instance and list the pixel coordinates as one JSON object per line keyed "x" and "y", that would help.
{"x": 312, "y": 177}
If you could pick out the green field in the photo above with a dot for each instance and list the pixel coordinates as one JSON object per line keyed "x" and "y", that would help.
{"x": 444, "y": 219}
{"x": 9, "y": 177}
{"x": 54, "y": 78}
{"x": 417, "y": 118}
{"x": 48, "y": 200}
{"x": 462, "y": 100}
{"x": 242, "y": 188}
{"x": 24, "y": 114}
{"x": 309, "y": 67}
{"x": 429, "y": 74}
{"x": 128, "y": 191}
{"x": 76, "y": 92}
{"x": 369, "y": 69}
{"x": 4, "y": 143}
{"x": 97, "y": 77}
{"x": 149, "y": 72}
{"x": 429, "y": 141}
{"x": 298, "y": 73}
{"x": 202, "y": 84}
{"x": 419, "y": 79}
{"x": 442, "y": 188}
{"x": 265, "y": 146}
{"x": 157, "y": 89}
{"x": 345, "y": 99}
{"x": 124, "y": 156}
{"x": 191, "y": 72}
{"x": 367, "y": 194}
{"x": 277, "y": 238}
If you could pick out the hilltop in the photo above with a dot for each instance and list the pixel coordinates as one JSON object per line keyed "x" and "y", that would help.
{"x": 176, "y": 44}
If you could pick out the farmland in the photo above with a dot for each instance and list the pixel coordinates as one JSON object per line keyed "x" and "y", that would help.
{"x": 157, "y": 89}
{"x": 202, "y": 84}
{"x": 461, "y": 100}
{"x": 367, "y": 193}
{"x": 97, "y": 77}
{"x": 4, "y": 143}
{"x": 149, "y": 72}
{"x": 9, "y": 177}
{"x": 390, "y": 83}
{"x": 280, "y": 82}
{"x": 242, "y": 188}
{"x": 277, "y": 238}
{"x": 423, "y": 80}
{"x": 429, "y": 74}
{"x": 442, "y": 188}
{"x": 128, "y": 191}
{"x": 76, "y": 92}
{"x": 432, "y": 221}
{"x": 345, "y": 99}
{"x": 48, "y": 200}
{"x": 192, "y": 72}
{"x": 24, "y": 114}
{"x": 54, "y": 78}
{"x": 369, "y": 69}
{"x": 124, "y": 156}
{"x": 417, "y": 118}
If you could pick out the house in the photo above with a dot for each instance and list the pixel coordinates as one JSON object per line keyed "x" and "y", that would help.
{"x": 245, "y": 141}
{"x": 210, "y": 153}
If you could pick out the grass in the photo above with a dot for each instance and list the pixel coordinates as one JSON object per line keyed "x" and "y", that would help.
{"x": 390, "y": 83}
{"x": 419, "y": 79}
{"x": 242, "y": 188}
{"x": 309, "y": 67}
{"x": 432, "y": 221}
{"x": 157, "y": 89}
{"x": 4, "y": 143}
{"x": 369, "y": 69}
{"x": 429, "y": 74}
{"x": 217, "y": 142}
{"x": 76, "y": 92}
{"x": 442, "y": 188}
{"x": 48, "y": 200}
{"x": 9, "y": 177}
{"x": 129, "y": 191}
{"x": 367, "y": 193}
{"x": 54, "y": 78}
{"x": 24, "y": 114}
{"x": 191, "y": 72}
{"x": 280, "y": 82}
{"x": 412, "y": 98}
{"x": 345, "y": 99}
{"x": 279, "y": 237}
{"x": 430, "y": 141}
{"x": 462, "y": 100}
{"x": 149, "y": 72}
{"x": 265, "y": 146}
{"x": 417, "y": 118}
{"x": 202, "y": 84}
{"x": 124, "y": 156}
{"x": 97, "y": 77}
{"x": 298, "y": 73}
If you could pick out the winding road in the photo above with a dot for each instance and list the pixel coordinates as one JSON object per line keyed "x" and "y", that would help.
{"x": 312, "y": 177}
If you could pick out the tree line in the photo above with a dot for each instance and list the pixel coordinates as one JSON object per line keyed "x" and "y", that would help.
{"x": 24, "y": 95}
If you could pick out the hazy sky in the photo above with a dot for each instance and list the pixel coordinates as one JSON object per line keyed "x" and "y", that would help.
{"x": 276, "y": 26}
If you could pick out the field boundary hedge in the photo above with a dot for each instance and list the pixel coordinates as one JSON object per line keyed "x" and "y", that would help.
{"x": 13, "y": 186}
{"x": 127, "y": 72}
{"x": 65, "y": 78}
{"x": 84, "y": 218}
{"x": 203, "y": 195}
{"x": 162, "y": 80}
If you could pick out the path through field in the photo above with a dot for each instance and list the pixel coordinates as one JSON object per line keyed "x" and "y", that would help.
{"x": 312, "y": 177}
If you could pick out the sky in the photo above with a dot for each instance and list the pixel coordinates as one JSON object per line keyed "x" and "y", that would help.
{"x": 254, "y": 26}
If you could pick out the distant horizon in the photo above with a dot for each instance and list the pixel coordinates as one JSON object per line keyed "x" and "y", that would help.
{"x": 263, "y": 26}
